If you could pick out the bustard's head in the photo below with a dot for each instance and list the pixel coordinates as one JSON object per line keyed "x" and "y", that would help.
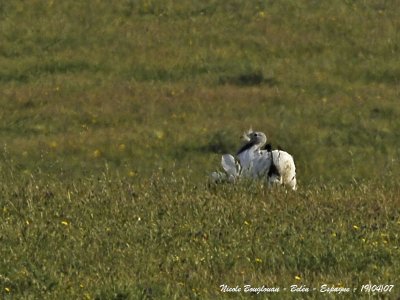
{"x": 253, "y": 138}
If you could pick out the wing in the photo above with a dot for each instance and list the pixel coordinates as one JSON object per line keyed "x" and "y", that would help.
{"x": 261, "y": 164}
{"x": 229, "y": 165}
{"x": 246, "y": 159}
{"x": 285, "y": 164}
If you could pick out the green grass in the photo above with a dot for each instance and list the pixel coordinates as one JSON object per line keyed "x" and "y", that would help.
{"x": 113, "y": 116}
{"x": 168, "y": 238}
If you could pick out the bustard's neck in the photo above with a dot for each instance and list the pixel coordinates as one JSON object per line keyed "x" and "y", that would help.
{"x": 248, "y": 146}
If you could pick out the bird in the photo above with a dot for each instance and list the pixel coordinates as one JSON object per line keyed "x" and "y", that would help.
{"x": 255, "y": 162}
{"x": 275, "y": 166}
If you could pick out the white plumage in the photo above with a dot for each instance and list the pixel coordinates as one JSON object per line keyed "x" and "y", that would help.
{"x": 276, "y": 167}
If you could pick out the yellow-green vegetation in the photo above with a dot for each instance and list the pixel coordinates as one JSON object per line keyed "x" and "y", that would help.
{"x": 113, "y": 115}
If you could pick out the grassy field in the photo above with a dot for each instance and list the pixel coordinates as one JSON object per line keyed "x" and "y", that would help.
{"x": 113, "y": 116}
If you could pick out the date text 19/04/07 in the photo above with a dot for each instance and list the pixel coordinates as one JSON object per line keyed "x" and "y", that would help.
{"x": 377, "y": 288}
